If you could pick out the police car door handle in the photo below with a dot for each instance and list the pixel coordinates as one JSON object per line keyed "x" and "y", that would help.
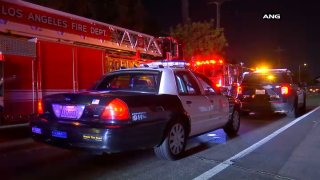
{"x": 189, "y": 102}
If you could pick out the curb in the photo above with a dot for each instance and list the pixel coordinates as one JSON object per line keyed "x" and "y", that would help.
{"x": 13, "y": 126}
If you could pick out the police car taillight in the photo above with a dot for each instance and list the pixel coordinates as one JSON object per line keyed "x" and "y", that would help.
{"x": 116, "y": 110}
{"x": 40, "y": 106}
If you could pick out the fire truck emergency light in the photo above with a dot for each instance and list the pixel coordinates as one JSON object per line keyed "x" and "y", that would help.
{"x": 212, "y": 61}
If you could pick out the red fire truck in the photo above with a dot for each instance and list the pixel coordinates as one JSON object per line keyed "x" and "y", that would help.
{"x": 224, "y": 75}
{"x": 45, "y": 51}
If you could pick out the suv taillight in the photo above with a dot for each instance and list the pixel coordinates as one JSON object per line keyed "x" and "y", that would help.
{"x": 239, "y": 90}
{"x": 284, "y": 90}
{"x": 116, "y": 110}
{"x": 40, "y": 106}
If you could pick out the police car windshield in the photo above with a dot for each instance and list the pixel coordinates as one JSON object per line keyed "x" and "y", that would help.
{"x": 130, "y": 81}
{"x": 265, "y": 78}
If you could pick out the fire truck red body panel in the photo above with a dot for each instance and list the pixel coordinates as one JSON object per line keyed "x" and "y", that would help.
{"x": 87, "y": 75}
{"x": 68, "y": 68}
{"x": 17, "y": 86}
{"x": 56, "y": 68}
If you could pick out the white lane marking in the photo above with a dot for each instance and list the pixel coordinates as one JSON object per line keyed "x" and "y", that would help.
{"x": 220, "y": 167}
{"x": 14, "y": 126}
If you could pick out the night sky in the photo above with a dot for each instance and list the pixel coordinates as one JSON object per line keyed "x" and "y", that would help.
{"x": 252, "y": 39}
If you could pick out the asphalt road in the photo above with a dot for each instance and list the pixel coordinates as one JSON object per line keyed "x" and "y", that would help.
{"x": 291, "y": 154}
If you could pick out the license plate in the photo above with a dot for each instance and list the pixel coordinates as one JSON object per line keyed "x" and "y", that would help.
{"x": 59, "y": 134}
{"x": 69, "y": 112}
{"x": 260, "y": 91}
{"x": 36, "y": 130}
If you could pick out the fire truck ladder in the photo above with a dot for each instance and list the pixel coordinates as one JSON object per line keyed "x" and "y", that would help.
{"x": 127, "y": 39}
{"x": 119, "y": 38}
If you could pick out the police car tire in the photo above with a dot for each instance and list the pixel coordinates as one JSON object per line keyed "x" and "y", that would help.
{"x": 174, "y": 143}
{"x": 294, "y": 111}
{"x": 303, "y": 108}
{"x": 233, "y": 125}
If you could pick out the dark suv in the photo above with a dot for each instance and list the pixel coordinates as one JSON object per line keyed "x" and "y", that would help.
{"x": 271, "y": 91}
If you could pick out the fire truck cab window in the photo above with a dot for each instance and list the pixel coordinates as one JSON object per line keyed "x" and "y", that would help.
{"x": 208, "y": 71}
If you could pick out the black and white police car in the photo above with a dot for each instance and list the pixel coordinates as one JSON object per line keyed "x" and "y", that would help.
{"x": 271, "y": 91}
{"x": 150, "y": 107}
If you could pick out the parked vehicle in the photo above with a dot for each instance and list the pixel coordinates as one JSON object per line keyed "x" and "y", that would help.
{"x": 151, "y": 107}
{"x": 271, "y": 91}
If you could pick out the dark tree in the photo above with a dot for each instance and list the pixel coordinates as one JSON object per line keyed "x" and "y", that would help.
{"x": 199, "y": 38}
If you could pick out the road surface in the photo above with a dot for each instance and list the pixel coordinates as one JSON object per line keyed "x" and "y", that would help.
{"x": 260, "y": 151}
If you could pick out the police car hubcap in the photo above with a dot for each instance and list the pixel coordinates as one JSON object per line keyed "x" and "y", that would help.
{"x": 176, "y": 139}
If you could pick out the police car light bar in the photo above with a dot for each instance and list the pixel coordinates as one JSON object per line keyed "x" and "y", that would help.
{"x": 175, "y": 64}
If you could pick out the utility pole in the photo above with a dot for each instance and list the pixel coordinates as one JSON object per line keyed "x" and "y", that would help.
{"x": 279, "y": 50}
{"x": 185, "y": 11}
{"x": 304, "y": 65}
{"x": 218, "y": 14}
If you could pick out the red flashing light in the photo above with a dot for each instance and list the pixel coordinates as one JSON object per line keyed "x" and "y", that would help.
{"x": 40, "y": 106}
{"x": 116, "y": 110}
{"x": 212, "y": 61}
{"x": 1, "y": 56}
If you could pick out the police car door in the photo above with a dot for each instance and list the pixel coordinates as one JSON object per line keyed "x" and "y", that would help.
{"x": 219, "y": 104}
{"x": 193, "y": 101}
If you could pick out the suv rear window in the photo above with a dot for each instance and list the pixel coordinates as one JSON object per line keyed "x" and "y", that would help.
{"x": 267, "y": 78}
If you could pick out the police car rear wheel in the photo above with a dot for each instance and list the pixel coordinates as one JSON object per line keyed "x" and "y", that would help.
{"x": 232, "y": 127}
{"x": 293, "y": 111}
{"x": 174, "y": 143}
{"x": 304, "y": 107}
